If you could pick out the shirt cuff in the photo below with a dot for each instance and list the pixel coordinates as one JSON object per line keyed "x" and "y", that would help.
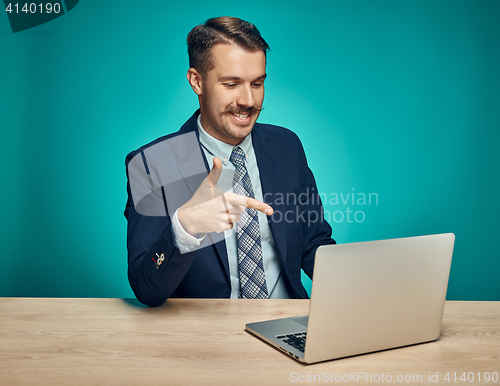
{"x": 184, "y": 241}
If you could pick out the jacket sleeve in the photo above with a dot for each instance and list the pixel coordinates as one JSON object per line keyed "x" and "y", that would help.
{"x": 316, "y": 230}
{"x": 150, "y": 237}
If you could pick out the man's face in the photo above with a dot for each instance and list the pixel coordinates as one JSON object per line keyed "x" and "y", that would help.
{"x": 232, "y": 93}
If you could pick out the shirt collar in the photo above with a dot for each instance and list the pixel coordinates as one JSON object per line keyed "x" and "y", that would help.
{"x": 221, "y": 149}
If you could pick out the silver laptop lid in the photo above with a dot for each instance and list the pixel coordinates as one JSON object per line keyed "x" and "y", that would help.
{"x": 376, "y": 295}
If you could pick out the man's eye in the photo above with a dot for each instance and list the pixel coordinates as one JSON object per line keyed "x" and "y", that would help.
{"x": 257, "y": 84}
{"x": 230, "y": 85}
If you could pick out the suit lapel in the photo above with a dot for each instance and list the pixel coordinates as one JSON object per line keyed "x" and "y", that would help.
{"x": 191, "y": 167}
{"x": 271, "y": 178}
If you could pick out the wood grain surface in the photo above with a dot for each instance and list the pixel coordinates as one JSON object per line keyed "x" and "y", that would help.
{"x": 203, "y": 342}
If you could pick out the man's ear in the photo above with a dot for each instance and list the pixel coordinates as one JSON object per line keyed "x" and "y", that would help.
{"x": 194, "y": 79}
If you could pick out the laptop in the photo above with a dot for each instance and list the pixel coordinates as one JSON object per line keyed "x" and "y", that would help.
{"x": 367, "y": 297}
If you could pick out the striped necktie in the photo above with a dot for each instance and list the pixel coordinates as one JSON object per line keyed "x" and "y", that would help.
{"x": 251, "y": 268}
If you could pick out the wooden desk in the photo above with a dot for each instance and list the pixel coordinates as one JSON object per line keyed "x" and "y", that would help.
{"x": 202, "y": 342}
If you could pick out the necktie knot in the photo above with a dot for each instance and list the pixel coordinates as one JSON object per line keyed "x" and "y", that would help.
{"x": 238, "y": 157}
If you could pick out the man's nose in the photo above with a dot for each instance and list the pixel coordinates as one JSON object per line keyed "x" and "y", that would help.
{"x": 246, "y": 97}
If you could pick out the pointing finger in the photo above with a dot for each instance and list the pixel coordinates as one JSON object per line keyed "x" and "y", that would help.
{"x": 248, "y": 202}
{"x": 260, "y": 206}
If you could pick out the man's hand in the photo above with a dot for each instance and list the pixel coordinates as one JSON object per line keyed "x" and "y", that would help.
{"x": 211, "y": 209}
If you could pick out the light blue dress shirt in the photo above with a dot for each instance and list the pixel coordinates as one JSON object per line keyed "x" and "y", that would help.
{"x": 212, "y": 147}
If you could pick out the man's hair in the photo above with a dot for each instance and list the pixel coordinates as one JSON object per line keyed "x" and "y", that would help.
{"x": 225, "y": 30}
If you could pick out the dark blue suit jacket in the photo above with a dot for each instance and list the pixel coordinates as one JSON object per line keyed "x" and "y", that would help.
{"x": 298, "y": 226}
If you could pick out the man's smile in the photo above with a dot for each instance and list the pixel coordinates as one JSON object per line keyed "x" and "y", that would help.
{"x": 242, "y": 118}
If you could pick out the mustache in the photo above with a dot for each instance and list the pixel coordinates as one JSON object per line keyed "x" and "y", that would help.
{"x": 240, "y": 110}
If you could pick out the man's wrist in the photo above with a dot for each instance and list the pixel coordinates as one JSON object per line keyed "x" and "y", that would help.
{"x": 183, "y": 215}
{"x": 183, "y": 239}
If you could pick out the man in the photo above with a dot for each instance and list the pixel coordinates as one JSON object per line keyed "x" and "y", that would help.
{"x": 188, "y": 236}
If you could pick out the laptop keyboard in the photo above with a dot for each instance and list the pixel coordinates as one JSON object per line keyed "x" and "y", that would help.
{"x": 296, "y": 340}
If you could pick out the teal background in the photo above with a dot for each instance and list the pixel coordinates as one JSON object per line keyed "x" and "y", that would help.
{"x": 397, "y": 98}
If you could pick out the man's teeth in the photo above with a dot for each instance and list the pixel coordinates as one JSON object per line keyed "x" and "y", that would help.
{"x": 241, "y": 116}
